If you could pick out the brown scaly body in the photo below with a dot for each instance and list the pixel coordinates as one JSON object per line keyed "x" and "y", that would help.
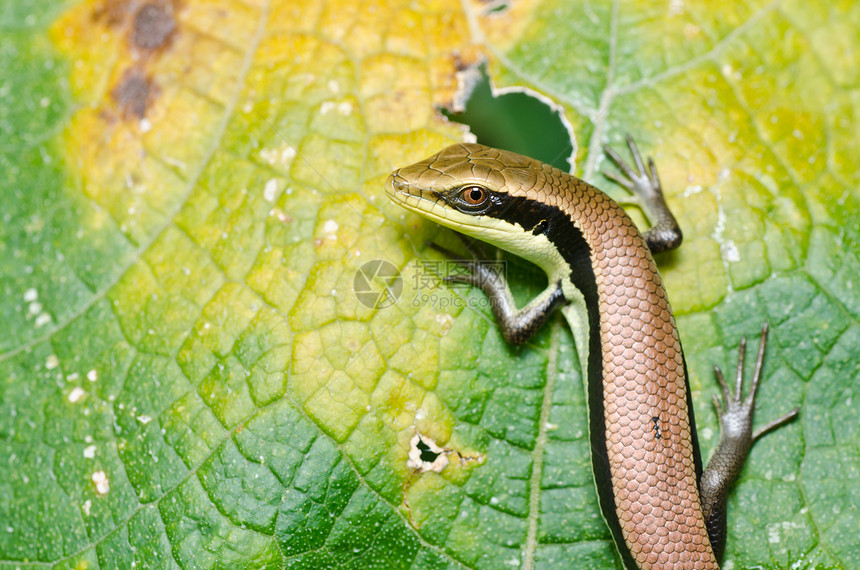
{"x": 647, "y": 423}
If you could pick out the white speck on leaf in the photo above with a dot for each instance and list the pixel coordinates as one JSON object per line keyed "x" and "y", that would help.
{"x": 269, "y": 155}
{"x": 76, "y": 394}
{"x": 87, "y": 506}
{"x": 35, "y": 308}
{"x": 72, "y": 377}
{"x": 330, "y": 228}
{"x": 270, "y": 190}
{"x": 281, "y": 215}
{"x": 730, "y": 251}
{"x": 145, "y": 125}
{"x": 90, "y": 451}
{"x": 691, "y": 190}
{"x": 43, "y": 319}
{"x": 446, "y": 321}
{"x": 92, "y": 375}
{"x": 52, "y": 362}
{"x": 101, "y": 482}
{"x": 31, "y": 295}
{"x": 144, "y": 419}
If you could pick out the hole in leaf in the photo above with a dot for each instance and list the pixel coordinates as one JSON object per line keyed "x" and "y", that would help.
{"x": 427, "y": 454}
{"x": 515, "y": 121}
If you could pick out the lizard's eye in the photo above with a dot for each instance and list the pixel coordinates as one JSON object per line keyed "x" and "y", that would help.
{"x": 473, "y": 195}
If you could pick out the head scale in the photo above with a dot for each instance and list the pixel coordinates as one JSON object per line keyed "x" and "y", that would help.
{"x": 471, "y": 178}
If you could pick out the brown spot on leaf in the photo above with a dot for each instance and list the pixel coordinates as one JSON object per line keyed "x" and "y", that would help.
{"x": 153, "y": 27}
{"x": 134, "y": 94}
{"x": 151, "y": 24}
{"x": 150, "y": 27}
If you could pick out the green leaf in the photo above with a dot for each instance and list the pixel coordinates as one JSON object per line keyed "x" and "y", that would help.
{"x": 191, "y": 192}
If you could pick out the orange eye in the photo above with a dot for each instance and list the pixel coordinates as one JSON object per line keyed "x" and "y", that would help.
{"x": 473, "y": 195}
